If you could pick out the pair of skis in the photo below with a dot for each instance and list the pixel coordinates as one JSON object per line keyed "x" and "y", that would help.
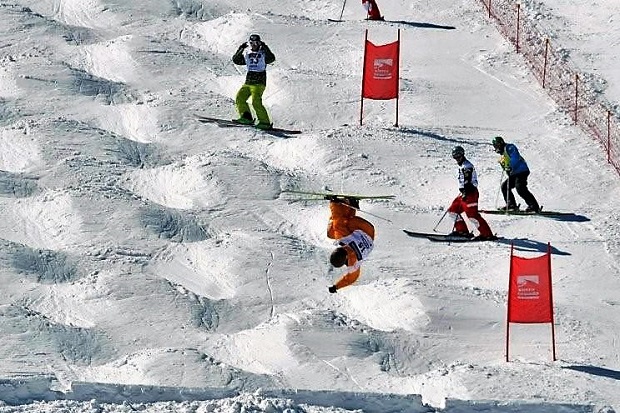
{"x": 229, "y": 123}
{"x": 435, "y": 237}
{"x": 338, "y": 197}
{"x": 541, "y": 212}
{"x": 331, "y": 196}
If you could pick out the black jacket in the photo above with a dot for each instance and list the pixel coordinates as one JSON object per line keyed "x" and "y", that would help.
{"x": 255, "y": 78}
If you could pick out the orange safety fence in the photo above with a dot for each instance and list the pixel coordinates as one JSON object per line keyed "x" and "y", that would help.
{"x": 550, "y": 64}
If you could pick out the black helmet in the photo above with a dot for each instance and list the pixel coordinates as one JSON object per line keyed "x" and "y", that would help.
{"x": 498, "y": 142}
{"x": 338, "y": 257}
{"x": 458, "y": 152}
{"x": 254, "y": 38}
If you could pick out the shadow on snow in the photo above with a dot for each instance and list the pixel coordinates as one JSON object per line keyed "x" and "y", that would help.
{"x": 529, "y": 245}
{"x": 596, "y": 371}
{"x": 421, "y": 25}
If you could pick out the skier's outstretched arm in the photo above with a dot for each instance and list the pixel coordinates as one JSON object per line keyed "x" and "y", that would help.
{"x": 349, "y": 278}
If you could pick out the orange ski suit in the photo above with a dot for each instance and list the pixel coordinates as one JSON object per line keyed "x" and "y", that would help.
{"x": 342, "y": 223}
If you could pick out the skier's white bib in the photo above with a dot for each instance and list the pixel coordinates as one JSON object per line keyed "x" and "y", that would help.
{"x": 359, "y": 242}
{"x": 255, "y": 61}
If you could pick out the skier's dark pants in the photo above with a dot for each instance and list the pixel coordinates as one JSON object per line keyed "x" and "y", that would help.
{"x": 519, "y": 182}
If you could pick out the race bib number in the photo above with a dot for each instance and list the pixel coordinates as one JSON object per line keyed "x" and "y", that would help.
{"x": 359, "y": 242}
{"x": 255, "y": 61}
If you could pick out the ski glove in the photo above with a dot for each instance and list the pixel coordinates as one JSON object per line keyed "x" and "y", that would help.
{"x": 243, "y": 45}
{"x": 354, "y": 202}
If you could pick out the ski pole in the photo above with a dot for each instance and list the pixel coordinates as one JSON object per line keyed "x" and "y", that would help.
{"x": 374, "y": 215}
{"x": 507, "y": 191}
{"x": 440, "y": 219}
{"x": 342, "y": 11}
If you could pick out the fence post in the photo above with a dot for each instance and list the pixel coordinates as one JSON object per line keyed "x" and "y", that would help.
{"x": 576, "y": 94}
{"x": 518, "y": 21}
{"x": 489, "y": 9}
{"x": 608, "y": 136}
{"x": 545, "y": 63}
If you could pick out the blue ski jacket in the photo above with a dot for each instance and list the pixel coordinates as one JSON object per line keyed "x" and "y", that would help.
{"x": 512, "y": 161}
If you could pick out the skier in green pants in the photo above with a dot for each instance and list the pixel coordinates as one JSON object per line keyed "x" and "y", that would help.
{"x": 256, "y": 60}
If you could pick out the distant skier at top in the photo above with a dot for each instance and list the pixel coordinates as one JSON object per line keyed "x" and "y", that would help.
{"x": 467, "y": 201}
{"x": 517, "y": 170}
{"x": 256, "y": 60}
{"x": 354, "y": 237}
{"x": 372, "y": 10}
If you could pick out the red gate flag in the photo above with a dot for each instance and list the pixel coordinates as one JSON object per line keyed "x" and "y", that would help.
{"x": 530, "y": 298}
{"x": 380, "y": 77}
{"x": 529, "y": 291}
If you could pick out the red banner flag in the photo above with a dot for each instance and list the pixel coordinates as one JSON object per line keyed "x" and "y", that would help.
{"x": 529, "y": 290}
{"x": 380, "y": 77}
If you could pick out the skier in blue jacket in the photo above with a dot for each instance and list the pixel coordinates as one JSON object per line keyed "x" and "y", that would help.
{"x": 517, "y": 170}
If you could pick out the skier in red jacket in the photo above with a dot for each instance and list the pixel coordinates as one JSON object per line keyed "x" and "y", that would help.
{"x": 467, "y": 201}
{"x": 372, "y": 10}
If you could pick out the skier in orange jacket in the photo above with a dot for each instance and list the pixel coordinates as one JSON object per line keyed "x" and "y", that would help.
{"x": 354, "y": 237}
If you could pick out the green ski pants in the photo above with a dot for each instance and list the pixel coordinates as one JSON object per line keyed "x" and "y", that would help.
{"x": 241, "y": 101}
